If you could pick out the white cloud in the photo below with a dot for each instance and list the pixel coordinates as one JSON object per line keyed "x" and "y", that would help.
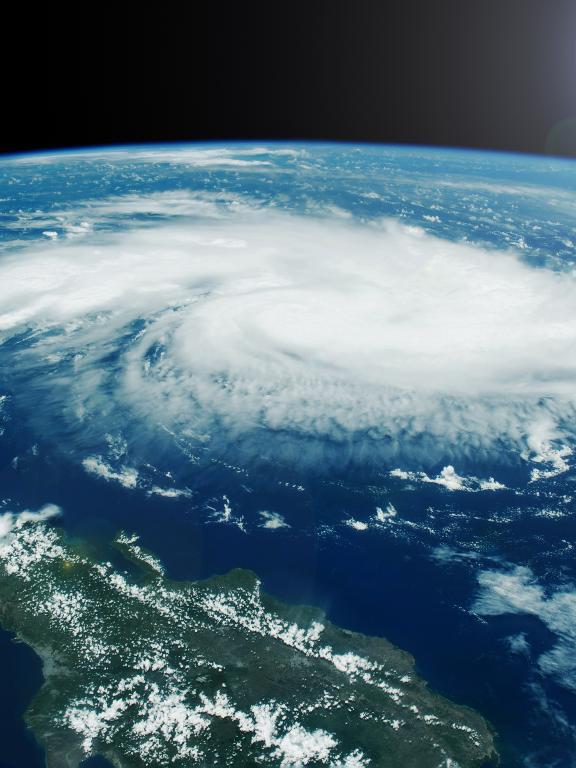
{"x": 194, "y": 156}
{"x": 445, "y": 554}
{"x": 387, "y": 514}
{"x": 169, "y": 493}
{"x": 308, "y": 327}
{"x": 300, "y": 747}
{"x": 451, "y": 480}
{"x": 13, "y": 520}
{"x": 518, "y": 591}
{"x": 546, "y": 451}
{"x": 272, "y": 520}
{"x": 380, "y": 519}
{"x": 227, "y": 516}
{"x": 126, "y": 476}
{"x": 519, "y": 644}
{"x": 357, "y": 525}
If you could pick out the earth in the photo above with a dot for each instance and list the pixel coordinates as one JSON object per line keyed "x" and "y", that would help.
{"x": 297, "y": 391}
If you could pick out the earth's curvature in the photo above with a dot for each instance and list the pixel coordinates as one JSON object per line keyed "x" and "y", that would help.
{"x": 349, "y": 371}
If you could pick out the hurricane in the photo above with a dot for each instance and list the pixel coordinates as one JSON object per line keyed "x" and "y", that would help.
{"x": 341, "y": 340}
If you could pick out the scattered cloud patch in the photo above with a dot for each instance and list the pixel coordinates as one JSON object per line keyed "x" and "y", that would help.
{"x": 357, "y": 525}
{"x": 451, "y": 480}
{"x": 130, "y": 543}
{"x": 126, "y": 476}
{"x": 385, "y": 515}
{"x": 272, "y": 520}
{"x": 195, "y": 157}
{"x": 518, "y": 591}
{"x": 382, "y": 517}
{"x": 547, "y": 452}
{"x": 226, "y": 516}
{"x": 10, "y": 521}
{"x": 445, "y": 554}
{"x": 169, "y": 493}
{"x": 518, "y": 644}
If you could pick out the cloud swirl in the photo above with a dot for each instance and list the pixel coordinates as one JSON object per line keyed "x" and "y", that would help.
{"x": 225, "y": 320}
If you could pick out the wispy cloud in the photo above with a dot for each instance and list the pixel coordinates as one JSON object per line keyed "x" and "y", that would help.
{"x": 448, "y": 478}
{"x": 14, "y": 520}
{"x": 272, "y": 520}
{"x": 518, "y": 591}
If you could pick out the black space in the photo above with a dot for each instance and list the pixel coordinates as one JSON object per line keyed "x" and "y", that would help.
{"x": 497, "y": 74}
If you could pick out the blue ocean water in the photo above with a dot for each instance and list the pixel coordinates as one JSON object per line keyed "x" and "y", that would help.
{"x": 413, "y": 579}
{"x": 371, "y": 584}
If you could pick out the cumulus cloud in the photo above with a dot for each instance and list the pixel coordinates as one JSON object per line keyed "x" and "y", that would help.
{"x": 519, "y": 644}
{"x": 378, "y": 339}
{"x": 12, "y": 520}
{"x": 226, "y": 515}
{"x": 448, "y": 478}
{"x": 386, "y": 514}
{"x": 196, "y": 157}
{"x": 357, "y": 525}
{"x": 550, "y": 458}
{"x": 272, "y": 520}
{"x": 126, "y": 476}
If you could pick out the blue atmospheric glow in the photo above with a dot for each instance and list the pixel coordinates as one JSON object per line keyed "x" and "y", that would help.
{"x": 349, "y": 368}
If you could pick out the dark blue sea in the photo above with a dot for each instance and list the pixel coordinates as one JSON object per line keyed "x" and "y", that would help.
{"x": 370, "y": 581}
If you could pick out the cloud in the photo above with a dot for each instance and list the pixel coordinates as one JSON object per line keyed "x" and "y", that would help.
{"x": 357, "y": 525}
{"x": 226, "y": 515}
{"x": 10, "y": 521}
{"x": 126, "y": 476}
{"x": 272, "y": 520}
{"x": 196, "y": 157}
{"x": 444, "y": 554}
{"x": 344, "y": 341}
{"x": 451, "y": 480}
{"x": 519, "y": 644}
{"x": 550, "y": 458}
{"x": 386, "y": 514}
{"x": 169, "y": 493}
{"x": 386, "y": 518}
{"x": 518, "y": 591}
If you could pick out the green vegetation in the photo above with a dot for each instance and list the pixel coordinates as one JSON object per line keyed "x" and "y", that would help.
{"x": 152, "y": 672}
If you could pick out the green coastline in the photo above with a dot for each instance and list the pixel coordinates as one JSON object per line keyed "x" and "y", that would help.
{"x": 147, "y": 671}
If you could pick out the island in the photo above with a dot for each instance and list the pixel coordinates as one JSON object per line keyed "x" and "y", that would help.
{"x": 147, "y": 671}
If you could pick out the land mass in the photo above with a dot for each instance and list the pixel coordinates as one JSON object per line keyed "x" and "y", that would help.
{"x": 147, "y": 671}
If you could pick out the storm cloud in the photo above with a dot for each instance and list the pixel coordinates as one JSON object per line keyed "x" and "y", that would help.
{"x": 231, "y": 314}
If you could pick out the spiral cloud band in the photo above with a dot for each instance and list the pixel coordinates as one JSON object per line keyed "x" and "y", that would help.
{"x": 224, "y": 317}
